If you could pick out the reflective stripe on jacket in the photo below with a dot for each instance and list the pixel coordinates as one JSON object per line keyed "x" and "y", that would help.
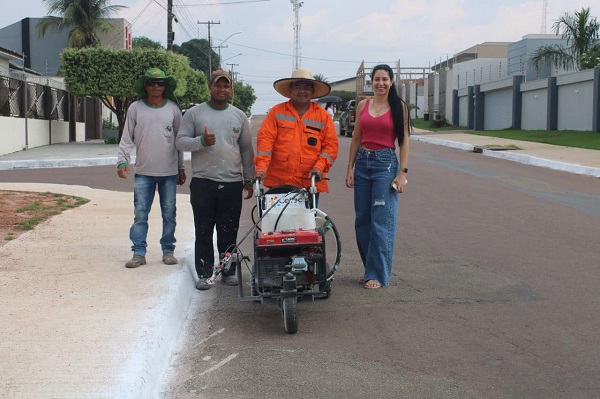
{"x": 289, "y": 147}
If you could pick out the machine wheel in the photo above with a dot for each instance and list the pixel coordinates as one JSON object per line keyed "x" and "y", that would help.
{"x": 342, "y": 130}
{"x": 253, "y": 290}
{"x": 326, "y": 287}
{"x": 289, "y": 309}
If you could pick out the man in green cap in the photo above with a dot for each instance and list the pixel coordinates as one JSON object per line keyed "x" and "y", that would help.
{"x": 151, "y": 127}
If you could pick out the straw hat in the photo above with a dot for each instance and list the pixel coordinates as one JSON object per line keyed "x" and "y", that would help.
{"x": 282, "y": 86}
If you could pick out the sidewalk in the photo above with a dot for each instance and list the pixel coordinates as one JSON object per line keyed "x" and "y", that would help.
{"x": 567, "y": 159}
{"x": 77, "y": 324}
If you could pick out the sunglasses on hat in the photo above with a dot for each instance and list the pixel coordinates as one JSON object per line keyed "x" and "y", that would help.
{"x": 159, "y": 83}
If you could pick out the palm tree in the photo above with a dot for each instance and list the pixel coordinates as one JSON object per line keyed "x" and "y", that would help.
{"x": 84, "y": 18}
{"x": 580, "y": 31}
{"x": 321, "y": 78}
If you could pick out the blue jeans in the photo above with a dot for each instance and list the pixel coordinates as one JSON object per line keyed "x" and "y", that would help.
{"x": 144, "y": 188}
{"x": 376, "y": 208}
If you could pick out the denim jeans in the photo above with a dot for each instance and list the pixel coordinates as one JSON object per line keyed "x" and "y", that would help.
{"x": 144, "y": 188}
{"x": 376, "y": 208}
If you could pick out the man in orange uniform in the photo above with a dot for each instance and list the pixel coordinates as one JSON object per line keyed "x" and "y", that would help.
{"x": 297, "y": 137}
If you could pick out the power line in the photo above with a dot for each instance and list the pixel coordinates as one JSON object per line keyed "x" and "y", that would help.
{"x": 223, "y": 4}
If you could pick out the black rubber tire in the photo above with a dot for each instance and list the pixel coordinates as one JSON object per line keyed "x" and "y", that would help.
{"x": 342, "y": 130}
{"x": 253, "y": 290}
{"x": 289, "y": 308}
{"x": 326, "y": 286}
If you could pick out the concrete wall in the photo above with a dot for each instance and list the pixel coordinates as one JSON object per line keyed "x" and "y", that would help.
{"x": 535, "y": 105}
{"x": 498, "y": 104}
{"x": 463, "y": 111}
{"x": 575, "y": 99}
{"x": 13, "y": 139}
{"x": 19, "y": 134}
{"x": 569, "y": 107}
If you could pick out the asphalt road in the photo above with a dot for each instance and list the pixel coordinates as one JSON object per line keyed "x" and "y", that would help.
{"x": 494, "y": 295}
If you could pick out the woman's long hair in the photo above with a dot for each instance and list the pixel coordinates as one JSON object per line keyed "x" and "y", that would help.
{"x": 397, "y": 105}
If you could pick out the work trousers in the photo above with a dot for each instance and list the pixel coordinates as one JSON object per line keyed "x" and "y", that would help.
{"x": 215, "y": 205}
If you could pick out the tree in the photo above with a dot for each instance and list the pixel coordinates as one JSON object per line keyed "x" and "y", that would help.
{"x": 580, "y": 31}
{"x": 197, "y": 90}
{"x": 197, "y": 51}
{"x": 591, "y": 58}
{"x": 243, "y": 96}
{"x": 344, "y": 94}
{"x": 321, "y": 78}
{"x": 144, "y": 42}
{"x": 112, "y": 74}
{"x": 84, "y": 18}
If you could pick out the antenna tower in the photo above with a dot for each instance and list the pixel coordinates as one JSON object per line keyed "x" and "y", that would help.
{"x": 297, "y": 58}
{"x": 544, "y": 15}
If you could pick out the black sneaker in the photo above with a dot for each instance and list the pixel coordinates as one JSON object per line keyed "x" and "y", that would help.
{"x": 202, "y": 284}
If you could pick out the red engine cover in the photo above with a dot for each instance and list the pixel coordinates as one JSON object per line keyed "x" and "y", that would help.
{"x": 292, "y": 237}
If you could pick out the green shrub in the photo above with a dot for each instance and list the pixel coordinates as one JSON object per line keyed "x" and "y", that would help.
{"x": 112, "y": 140}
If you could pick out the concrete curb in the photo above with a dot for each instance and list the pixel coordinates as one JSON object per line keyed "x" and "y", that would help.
{"x": 144, "y": 373}
{"x": 57, "y": 163}
{"x": 512, "y": 156}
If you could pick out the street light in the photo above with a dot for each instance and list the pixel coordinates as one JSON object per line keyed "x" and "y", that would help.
{"x": 223, "y": 42}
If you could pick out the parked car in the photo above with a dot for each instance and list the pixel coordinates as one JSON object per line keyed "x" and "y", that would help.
{"x": 347, "y": 118}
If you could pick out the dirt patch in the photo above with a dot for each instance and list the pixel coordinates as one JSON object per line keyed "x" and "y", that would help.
{"x": 21, "y": 211}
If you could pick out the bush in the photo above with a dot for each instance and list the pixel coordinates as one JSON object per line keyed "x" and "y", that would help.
{"x": 108, "y": 124}
{"x": 112, "y": 140}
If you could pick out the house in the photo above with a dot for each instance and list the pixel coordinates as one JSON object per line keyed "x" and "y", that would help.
{"x": 38, "y": 57}
{"x": 42, "y": 53}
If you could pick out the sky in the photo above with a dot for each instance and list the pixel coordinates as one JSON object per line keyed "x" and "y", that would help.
{"x": 335, "y": 36}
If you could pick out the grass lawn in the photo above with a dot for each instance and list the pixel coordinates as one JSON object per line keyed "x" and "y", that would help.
{"x": 566, "y": 138}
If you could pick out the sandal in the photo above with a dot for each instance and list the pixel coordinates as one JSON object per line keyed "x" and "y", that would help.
{"x": 372, "y": 284}
{"x": 361, "y": 280}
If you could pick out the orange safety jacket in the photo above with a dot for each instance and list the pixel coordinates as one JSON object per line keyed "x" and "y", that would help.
{"x": 288, "y": 146}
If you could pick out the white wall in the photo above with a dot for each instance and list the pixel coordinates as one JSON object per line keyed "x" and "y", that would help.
{"x": 535, "y": 105}
{"x": 59, "y": 132}
{"x": 13, "y": 135}
{"x": 19, "y": 134}
{"x": 498, "y": 109}
{"x": 575, "y": 99}
{"x": 38, "y": 132}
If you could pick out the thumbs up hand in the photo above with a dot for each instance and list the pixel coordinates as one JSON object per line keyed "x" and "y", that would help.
{"x": 209, "y": 138}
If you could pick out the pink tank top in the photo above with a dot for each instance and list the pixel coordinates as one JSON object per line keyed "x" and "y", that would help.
{"x": 377, "y": 133}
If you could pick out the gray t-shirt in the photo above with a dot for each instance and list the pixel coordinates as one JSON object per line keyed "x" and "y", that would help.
{"x": 231, "y": 158}
{"x": 152, "y": 131}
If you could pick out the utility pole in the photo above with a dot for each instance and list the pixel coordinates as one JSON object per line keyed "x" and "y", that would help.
{"x": 209, "y": 23}
{"x": 170, "y": 33}
{"x": 232, "y": 73}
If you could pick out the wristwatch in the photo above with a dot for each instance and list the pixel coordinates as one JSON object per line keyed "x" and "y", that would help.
{"x": 405, "y": 170}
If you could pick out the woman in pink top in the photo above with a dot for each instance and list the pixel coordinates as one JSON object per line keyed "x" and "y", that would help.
{"x": 377, "y": 175}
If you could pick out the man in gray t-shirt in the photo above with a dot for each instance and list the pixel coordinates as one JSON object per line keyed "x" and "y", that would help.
{"x": 218, "y": 136}
{"x": 151, "y": 127}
